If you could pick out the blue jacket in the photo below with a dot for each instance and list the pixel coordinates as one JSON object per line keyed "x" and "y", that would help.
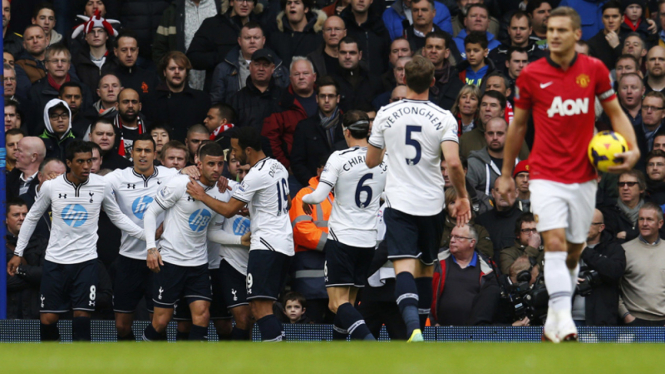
{"x": 591, "y": 14}
{"x": 225, "y": 77}
{"x": 394, "y": 16}
{"x": 459, "y": 40}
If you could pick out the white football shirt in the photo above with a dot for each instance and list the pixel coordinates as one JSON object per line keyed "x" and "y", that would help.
{"x": 412, "y": 131}
{"x": 75, "y": 214}
{"x": 358, "y": 189}
{"x": 265, "y": 189}
{"x": 236, "y": 255}
{"x": 134, "y": 193}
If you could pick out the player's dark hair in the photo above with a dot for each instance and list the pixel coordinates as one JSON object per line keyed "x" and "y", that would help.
{"x": 47, "y": 161}
{"x": 103, "y": 121}
{"x": 210, "y": 148}
{"x": 357, "y": 122}
{"x": 565, "y": 11}
{"x": 655, "y": 153}
{"x": 15, "y": 201}
{"x": 295, "y": 296}
{"x": 612, "y": 4}
{"x": 44, "y": 5}
{"x": 439, "y": 34}
{"x": 126, "y": 33}
{"x": 512, "y": 49}
{"x": 476, "y": 37}
{"x": 494, "y": 95}
{"x": 77, "y": 146}
{"x": 14, "y": 132}
{"x": 174, "y": 144}
{"x": 519, "y": 15}
{"x": 146, "y": 137}
{"x": 419, "y": 73}
{"x": 248, "y": 137}
{"x": 70, "y": 84}
{"x": 225, "y": 111}
{"x": 97, "y": 147}
{"x": 525, "y": 217}
{"x": 326, "y": 80}
{"x": 350, "y": 40}
{"x": 532, "y": 5}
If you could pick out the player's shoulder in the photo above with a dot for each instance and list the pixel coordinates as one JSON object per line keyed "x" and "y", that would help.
{"x": 178, "y": 181}
{"x": 389, "y": 107}
{"x": 535, "y": 67}
{"x": 95, "y": 180}
{"x": 164, "y": 172}
{"x": 267, "y": 168}
{"x": 116, "y": 175}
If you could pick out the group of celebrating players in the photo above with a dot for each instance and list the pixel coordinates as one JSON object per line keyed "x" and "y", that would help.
{"x": 183, "y": 245}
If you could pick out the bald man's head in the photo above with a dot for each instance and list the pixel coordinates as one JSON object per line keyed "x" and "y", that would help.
{"x": 656, "y": 62}
{"x": 31, "y": 152}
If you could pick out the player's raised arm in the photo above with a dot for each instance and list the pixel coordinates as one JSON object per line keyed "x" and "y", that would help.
{"x": 514, "y": 140}
{"x": 622, "y": 125}
{"x": 456, "y": 172}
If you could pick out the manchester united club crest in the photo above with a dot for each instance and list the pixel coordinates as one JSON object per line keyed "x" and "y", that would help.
{"x": 583, "y": 80}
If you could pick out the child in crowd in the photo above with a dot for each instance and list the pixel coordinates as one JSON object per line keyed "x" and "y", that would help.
{"x": 294, "y": 308}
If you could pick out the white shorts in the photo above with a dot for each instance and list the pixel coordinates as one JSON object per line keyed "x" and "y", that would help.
{"x": 559, "y": 205}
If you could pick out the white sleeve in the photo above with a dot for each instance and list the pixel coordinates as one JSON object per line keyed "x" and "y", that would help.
{"x": 119, "y": 219}
{"x": 150, "y": 223}
{"x": 248, "y": 187}
{"x": 450, "y": 134}
{"x": 376, "y": 138}
{"x": 34, "y": 215}
{"x": 321, "y": 193}
{"x": 217, "y": 235}
{"x": 168, "y": 195}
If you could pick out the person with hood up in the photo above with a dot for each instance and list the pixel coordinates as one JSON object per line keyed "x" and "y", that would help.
{"x": 58, "y": 133}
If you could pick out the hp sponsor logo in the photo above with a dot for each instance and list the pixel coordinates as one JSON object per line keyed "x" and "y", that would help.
{"x": 74, "y": 215}
{"x": 240, "y": 226}
{"x": 199, "y": 220}
{"x": 140, "y": 205}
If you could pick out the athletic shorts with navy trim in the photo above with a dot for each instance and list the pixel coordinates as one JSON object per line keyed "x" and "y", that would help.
{"x": 218, "y": 309}
{"x": 232, "y": 286}
{"x": 416, "y": 237}
{"x": 266, "y": 274}
{"x": 346, "y": 265}
{"x": 133, "y": 281}
{"x": 66, "y": 287}
{"x": 176, "y": 283}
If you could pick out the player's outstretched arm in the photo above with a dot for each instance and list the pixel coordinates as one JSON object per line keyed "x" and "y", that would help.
{"x": 321, "y": 193}
{"x": 514, "y": 139}
{"x": 228, "y": 210}
{"x": 456, "y": 172}
{"x": 374, "y": 156}
{"x": 119, "y": 219}
{"x": 622, "y": 125}
{"x": 153, "y": 258}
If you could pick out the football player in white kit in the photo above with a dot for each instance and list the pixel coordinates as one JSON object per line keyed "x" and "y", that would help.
{"x": 69, "y": 274}
{"x": 353, "y": 223}
{"x": 414, "y": 132}
{"x": 265, "y": 190}
{"x": 134, "y": 189}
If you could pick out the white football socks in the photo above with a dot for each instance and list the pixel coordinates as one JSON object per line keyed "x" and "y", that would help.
{"x": 557, "y": 281}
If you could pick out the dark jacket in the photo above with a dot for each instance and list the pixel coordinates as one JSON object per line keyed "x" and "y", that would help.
{"x": 279, "y": 127}
{"x": 44, "y": 224}
{"x": 366, "y": 88}
{"x": 40, "y": 94}
{"x": 310, "y": 144}
{"x": 373, "y": 38}
{"x": 484, "y": 244}
{"x": 56, "y": 147}
{"x": 141, "y": 80}
{"x": 178, "y": 110}
{"x": 616, "y": 221}
{"x": 112, "y": 160}
{"x": 655, "y": 192}
{"x": 486, "y": 301}
{"x": 446, "y": 87}
{"x": 225, "y": 79}
{"x": 14, "y": 183}
{"x": 609, "y": 260}
{"x": 501, "y": 226}
{"x": 319, "y": 61}
{"x": 23, "y": 289}
{"x": 499, "y": 55}
{"x": 508, "y": 256}
{"x": 600, "y": 49}
{"x": 170, "y": 34}
{"x": 288, "y": 43}
{"x": 143, "y": 17}
{"x": 418, "y": 42}
{"x": 12, "y": 43}
{"x": 29, "y": 71}
{"x": 253, "y": 106}
{"x": 88, "y": 72}
{"x": 642, "y": 29}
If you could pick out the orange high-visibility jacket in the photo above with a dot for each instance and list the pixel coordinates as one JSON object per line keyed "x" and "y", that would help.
{"x": 310, "y": 232}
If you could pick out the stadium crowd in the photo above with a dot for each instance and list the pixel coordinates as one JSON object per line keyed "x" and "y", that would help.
{"x": 188, "y": 72}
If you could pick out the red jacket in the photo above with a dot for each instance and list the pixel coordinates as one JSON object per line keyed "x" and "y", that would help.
{"x": 279, "y": 127}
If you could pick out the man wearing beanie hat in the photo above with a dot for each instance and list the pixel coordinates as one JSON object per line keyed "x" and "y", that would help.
{"x": 521, "y": 176}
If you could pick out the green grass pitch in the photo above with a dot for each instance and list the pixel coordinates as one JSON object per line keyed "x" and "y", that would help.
{"x": 327, "y": 357}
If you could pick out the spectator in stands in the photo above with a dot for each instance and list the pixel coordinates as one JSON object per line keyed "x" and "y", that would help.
{"x": 483, "y": 245}
{"x": 43, "y": 15}
{"x": 165, "y": 104}
{"x": 104, "y": 133}
{"x": 30, "y": 154}
{"x": 58, "y": 65}
{"x": 519, "y": 31}
{"x": 13, "y": 119}
{"x": 476, "y": 65}
{"x": 606, "y": 44}
{"x": 626, "y": 64}
{"x": 659, "y": 141}
{"x": 655, "y": 80}
{"x": 260, "y": 97}
{"x": 108, "y": 89}
{"x": 634, "y": 20}
{"x": 310, "y": 232}
{"x": 220, "y": 122}
{"x": 364, "y": 23}
{"x": 521, "y": 177}
{"x": 299, "y": 28}
{"x": 447, "y": 83}
{"x": 96, "y": 165}
{"x": 174, "y": 154}
{"x": 495, "y": 81}
{"x": 631, "y": 90}
{"x": 325, "y": 58}
{"x": 9, "y": 75}
{"x": 297, "y": 103}
{"x": 176, "y": 29}
{"x": 58, "y": 134}
{"x": 143, "y": 17}
{"x": 539, "y": 12}
{"x": 400, "y": 47}
{"x": 318, "y": 136}
{"x": 466, "y": 108}
{"x": 129, "y": 121}
{"x": 399, "y": 93}
{"x": 12, "y": 137}
{"x": 653, "y": 113}
{"x": 517, "y": 60}
{"x": 218, "y": 35}
{"x": 605, "y": 256}
{"x": 72, "y": 94}
{"x": 463, "y": 10}
{"x": 94, "y": 60}
{"x": 357, "y": 85}
{"x": 29, "y": 63}
{"x": 634, "y": 45}
{"x": 423, "y": 14}
{"x": 527, "y": 243}
{"x": 466, "y": 290}
{"x": 12, "y": 42}
{"x": 295, "y": 308}
{"x": 655, "y": 163}
{"x": 622, "y": 221}
{"x": 161, "y": 135}
{"x": 126, "y": 50}
{"x": 49, "y": 169}
{"x": 500, "y": 221}
{"x": 641, "y": 288}
{"x": 195, "y": 135}
{"x": 396, "y": 17}
{"x": 230, "y": 76}
{"x": 476, "y": 20}
{"x": 89, "y": 9}
{"x": 398, "y": 76}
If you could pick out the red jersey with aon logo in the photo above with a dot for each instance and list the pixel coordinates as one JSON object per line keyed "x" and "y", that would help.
{"x": 562, "y": 106}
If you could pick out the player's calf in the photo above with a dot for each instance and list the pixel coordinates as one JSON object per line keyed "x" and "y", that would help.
{"x": 123, "y": 324}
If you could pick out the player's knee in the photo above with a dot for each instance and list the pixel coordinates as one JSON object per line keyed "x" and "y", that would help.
{"x": 555, "y": 244}
{"x": 123, "y": 327}
{"x": 333, "y": 305}
{"x": 160, "y": 323}
{"x": 48, "y": 318}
